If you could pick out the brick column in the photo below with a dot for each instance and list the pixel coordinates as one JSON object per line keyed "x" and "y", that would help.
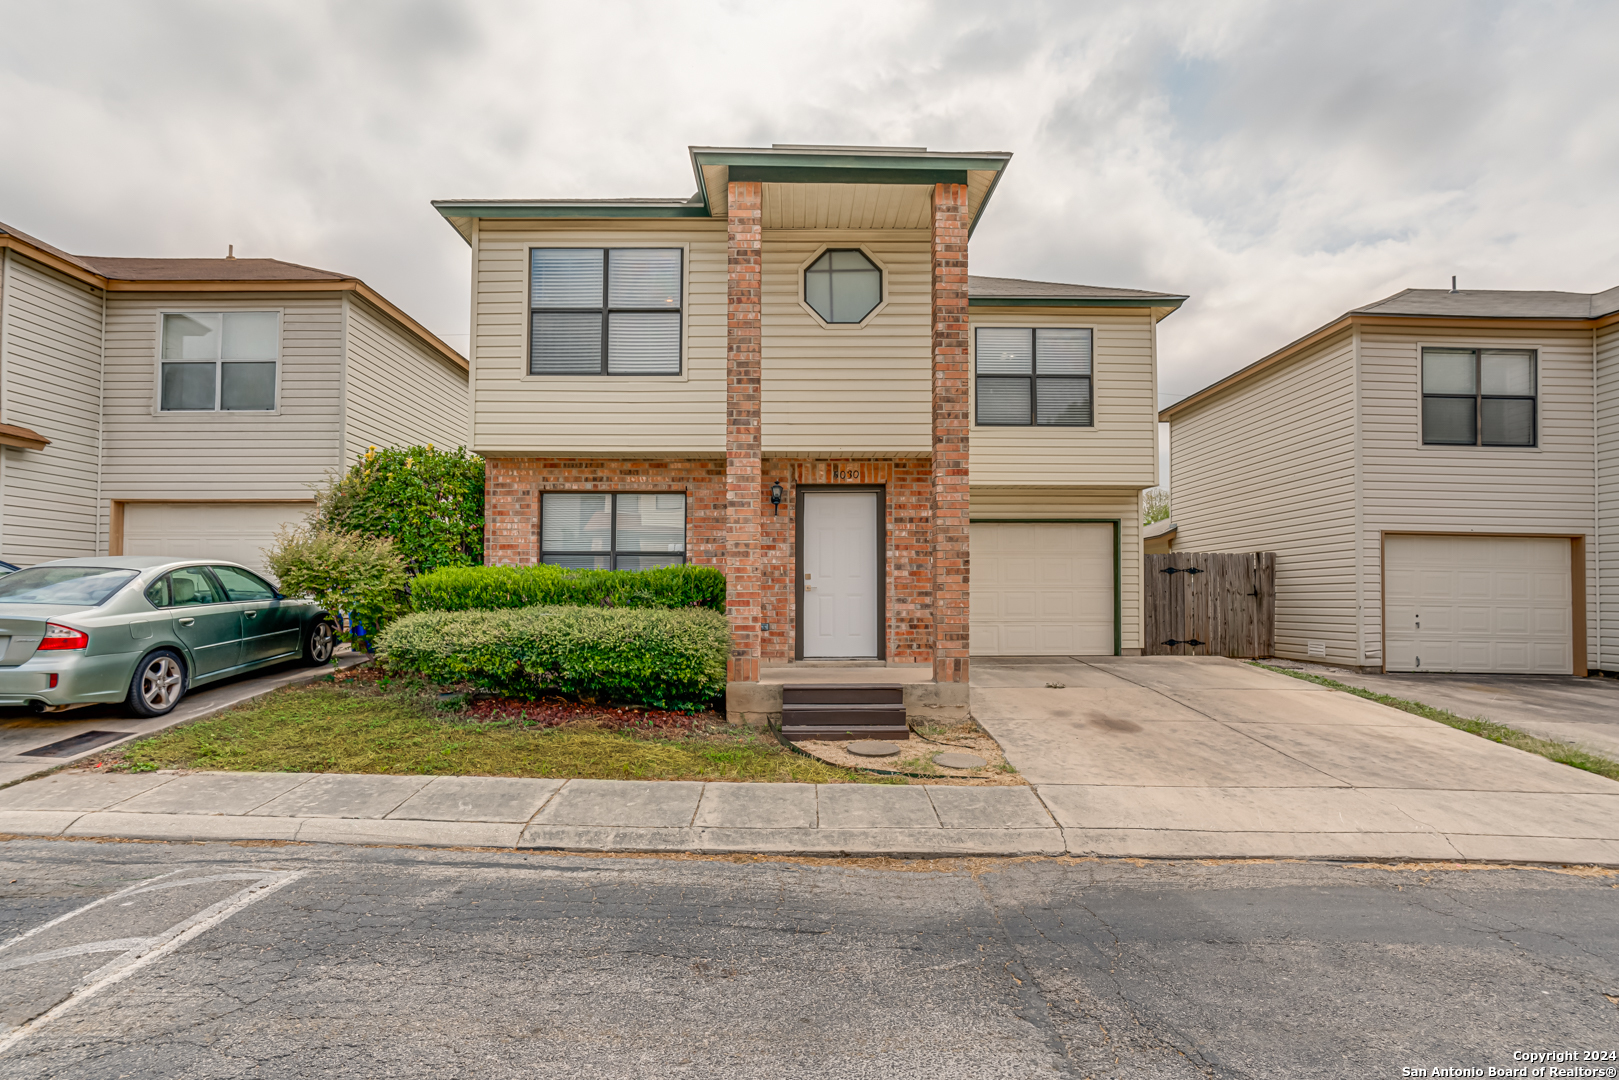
{"x": 744, "y": 585}
{"x": 511, "y": 532}
{"x": 950, "y": 564}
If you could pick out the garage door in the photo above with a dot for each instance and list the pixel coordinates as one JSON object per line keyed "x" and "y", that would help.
{"x": 1042, "y": 589}
{"x": 231, "y": 531}
{"x": 1478, "y": 603}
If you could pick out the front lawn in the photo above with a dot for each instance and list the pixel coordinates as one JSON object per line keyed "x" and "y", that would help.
{"x": 368, "y": 724}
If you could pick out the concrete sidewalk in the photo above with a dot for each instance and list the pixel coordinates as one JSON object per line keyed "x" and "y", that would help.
{"x": 589, "y": 815}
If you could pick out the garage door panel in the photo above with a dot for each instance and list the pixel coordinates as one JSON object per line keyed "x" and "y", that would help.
{"x": 1485, "y": 604}
{"x": 1041, "y": 589}
{"x": 232, "y": 532}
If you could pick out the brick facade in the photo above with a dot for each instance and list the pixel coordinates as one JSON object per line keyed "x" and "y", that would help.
{"x": 513, "y": 486}
{"x": 743, "y": 340}
{"x": 949, "y": 471}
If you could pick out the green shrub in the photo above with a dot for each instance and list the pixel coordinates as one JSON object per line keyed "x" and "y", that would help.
{"x": 429, "y": 502}
{"x": 662, "y": 658}
{"x": 487, "y": 588}
{"x": 346, "y": 573}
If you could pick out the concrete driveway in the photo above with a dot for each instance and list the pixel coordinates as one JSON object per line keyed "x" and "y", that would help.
{"x": 1561, "y": 707}
{"x": 1183, "y": 756}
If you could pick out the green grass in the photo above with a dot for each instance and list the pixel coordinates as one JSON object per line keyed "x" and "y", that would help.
{"x": 323, "y": 728}
{"x": 1561, "y": 752}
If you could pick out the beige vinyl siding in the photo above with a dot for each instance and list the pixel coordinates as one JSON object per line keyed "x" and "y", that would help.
{"x": 223, "y": 455}
{"x": 1269, "y": 465}
{"x": 514, "y": 412}
{"x": 848, "y": 389}
{"x": 1607, "y": 449}
{"x": 1409, "y": 487}
{"x": 1051, "y": 503}
{"x": 51, "y": 383}
{"x": 1122, "y": 446}
{"x": 399, "y": 392}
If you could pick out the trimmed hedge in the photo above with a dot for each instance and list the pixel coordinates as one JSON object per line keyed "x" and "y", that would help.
{"x": 489, "y": 588}
{"x": 667, "y": 659}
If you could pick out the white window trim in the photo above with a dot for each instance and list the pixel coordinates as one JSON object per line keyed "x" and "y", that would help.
{"x": 865, "y": 250}
{"x": 639, "y": 382}
{"x": 158, "y": 362}
{"x": 1481, "y": 343}
{"x": 1048, "y": 431}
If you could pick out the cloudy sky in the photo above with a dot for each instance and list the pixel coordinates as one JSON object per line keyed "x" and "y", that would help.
{"x": 1278, "y": 162}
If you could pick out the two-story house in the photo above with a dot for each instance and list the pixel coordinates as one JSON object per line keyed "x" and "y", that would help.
{"x": 189, "y": 407}
{"x": 1436, "y": 473}
{"x": 791, "y": 375}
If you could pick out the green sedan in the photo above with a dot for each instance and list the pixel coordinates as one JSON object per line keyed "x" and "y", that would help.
{"x": 144, "y": 631}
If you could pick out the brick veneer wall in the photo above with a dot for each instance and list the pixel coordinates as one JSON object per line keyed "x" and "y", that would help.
{"x": 949, "y": 475}
{"x": 513, "y": 486}
{"x": 743, "y": 340}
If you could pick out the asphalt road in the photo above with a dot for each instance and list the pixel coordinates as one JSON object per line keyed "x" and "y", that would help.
{"x": 218, "y": 960}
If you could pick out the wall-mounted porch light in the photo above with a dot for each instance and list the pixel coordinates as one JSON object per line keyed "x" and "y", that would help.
{"x": 775, "y": 496}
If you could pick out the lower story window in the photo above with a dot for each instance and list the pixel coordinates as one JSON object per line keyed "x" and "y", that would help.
{"x": 613, "y": 531}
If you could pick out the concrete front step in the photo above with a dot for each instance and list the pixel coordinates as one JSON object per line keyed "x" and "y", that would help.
{"x": 925, "y": 701}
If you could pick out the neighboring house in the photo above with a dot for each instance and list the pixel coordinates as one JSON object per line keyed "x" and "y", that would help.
{"x": 190, "y": 406}
{"x": 1436, "y": 474}
{"x": 790, "y": 375}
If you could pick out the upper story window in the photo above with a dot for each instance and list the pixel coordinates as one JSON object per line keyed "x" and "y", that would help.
{"x": 613, "y": 531}
{"x": 219, "y": 361}
{"x": 1478, "y": 397}
{"x": 843, "y": 286}
{"x": 1027, "y": 377}
{"x": 604, "y": 311}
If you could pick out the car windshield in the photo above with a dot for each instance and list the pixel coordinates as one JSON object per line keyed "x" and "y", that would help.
{"x": 87, "y": 585}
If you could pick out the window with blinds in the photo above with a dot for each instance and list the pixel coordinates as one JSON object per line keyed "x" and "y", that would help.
{"x": 604, "y": 311}
{"x": 1478, "y": 397}
{"x": 1027, "y": 377}
{"x": 598, "y": 530}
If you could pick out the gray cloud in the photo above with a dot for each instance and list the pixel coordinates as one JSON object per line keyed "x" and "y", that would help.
{"x": 1280, "y": 162}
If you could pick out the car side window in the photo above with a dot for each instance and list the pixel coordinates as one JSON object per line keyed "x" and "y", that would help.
{"x": 184, "y": 588}
{"x": 242, "y": 586}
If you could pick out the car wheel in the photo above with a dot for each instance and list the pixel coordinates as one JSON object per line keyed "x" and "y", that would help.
{"x": 320, "y": 641}
{"x": 158, "y": 684}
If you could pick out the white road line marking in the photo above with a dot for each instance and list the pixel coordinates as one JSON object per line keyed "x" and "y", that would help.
{"x": 113, "y": 945}
{"x": 139, "y": 885}
{"x": 183, "y": 882}
{"x": 153, "y": 950}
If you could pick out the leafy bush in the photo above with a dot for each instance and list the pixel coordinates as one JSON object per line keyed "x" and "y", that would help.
{"x": 668, "y": 659}
{"x": 429, "y": 502}
{"x": 346, "y": 573}
{"x": 487, "y": 588}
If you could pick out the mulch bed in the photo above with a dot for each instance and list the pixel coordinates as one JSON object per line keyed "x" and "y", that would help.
{"x": 558, "y": 712}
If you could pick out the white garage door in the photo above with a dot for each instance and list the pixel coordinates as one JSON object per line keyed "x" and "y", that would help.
{"x": 231, "y": 531}
{"x": 1478, "y": 603}
{"x": 1042, "y": 589}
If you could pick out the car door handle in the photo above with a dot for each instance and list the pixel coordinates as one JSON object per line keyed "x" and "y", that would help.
{"x": 251, "y": 614}
{"x": 186, "y": 622}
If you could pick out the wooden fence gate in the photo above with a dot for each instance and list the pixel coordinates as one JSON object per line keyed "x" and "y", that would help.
{"x": 1210, "y": 604}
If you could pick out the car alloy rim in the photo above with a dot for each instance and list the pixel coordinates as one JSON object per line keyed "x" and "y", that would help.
{"x": 160, "y": 682}
{"x": 322, "y": 645}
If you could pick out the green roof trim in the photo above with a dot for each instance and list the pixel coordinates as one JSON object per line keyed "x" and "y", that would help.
{"x": 798, "y": 174}
{"x": 1076, "y": 301}
{"x": 833, "y": 159}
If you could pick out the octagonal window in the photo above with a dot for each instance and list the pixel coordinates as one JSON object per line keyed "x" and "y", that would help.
{"x": 843, "y": 286}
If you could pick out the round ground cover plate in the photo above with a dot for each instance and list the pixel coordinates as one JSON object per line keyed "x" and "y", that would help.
{"x": 959, "y": 761}
{"x": 873, "y": 748}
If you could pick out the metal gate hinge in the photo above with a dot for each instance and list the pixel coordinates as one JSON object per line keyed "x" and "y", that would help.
{"x": 1180, "y": 570}
{"x": 1188, "y": 641}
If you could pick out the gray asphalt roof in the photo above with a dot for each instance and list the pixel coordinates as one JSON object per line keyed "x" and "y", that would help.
{"x": 1009, "y": 288}
{"x": 1495, "y": 304}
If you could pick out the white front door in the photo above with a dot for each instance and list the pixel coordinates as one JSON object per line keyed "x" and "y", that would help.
{"x": 842, "y": 574}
